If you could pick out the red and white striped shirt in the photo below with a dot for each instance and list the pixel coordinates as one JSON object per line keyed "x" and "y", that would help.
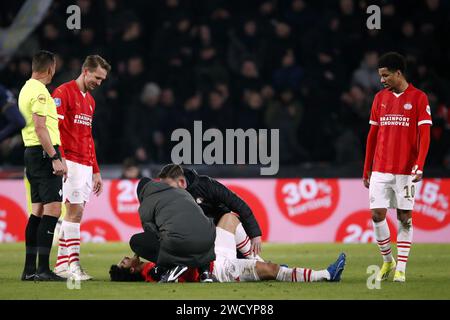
{"x": 398, "y": 117}
{"x": 75, "y": 113}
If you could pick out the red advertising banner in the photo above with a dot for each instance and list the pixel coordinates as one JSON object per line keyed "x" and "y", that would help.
{"x": 288, "y": 210}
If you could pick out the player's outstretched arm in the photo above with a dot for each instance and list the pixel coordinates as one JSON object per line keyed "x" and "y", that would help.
{"x": 370, "y": 152}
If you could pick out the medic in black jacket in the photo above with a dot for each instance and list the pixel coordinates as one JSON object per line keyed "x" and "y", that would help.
{"x": 216, "y": 200}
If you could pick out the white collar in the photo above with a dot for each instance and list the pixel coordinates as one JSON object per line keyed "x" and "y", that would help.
{"x": 398, "y": 94}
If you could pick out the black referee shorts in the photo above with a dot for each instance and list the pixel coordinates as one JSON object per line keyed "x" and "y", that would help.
{"x": 45, "y": 186}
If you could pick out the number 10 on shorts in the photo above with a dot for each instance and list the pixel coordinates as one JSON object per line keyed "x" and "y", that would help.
{"x": 410, "y": 191}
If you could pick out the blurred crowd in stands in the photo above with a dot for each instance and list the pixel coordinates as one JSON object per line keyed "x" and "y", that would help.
{"x": 306, "y": 67}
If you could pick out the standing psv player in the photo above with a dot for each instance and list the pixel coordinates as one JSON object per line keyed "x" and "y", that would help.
{"x": 397, "y": 146}
{"x": 75, "y": 107}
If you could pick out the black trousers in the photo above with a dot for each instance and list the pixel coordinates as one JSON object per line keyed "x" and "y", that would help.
{"x": 145, "y": 245}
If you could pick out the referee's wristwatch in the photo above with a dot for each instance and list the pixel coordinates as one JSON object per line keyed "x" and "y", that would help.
{"x": 56, "y": 156}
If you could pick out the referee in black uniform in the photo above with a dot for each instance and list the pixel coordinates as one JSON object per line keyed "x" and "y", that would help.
{"x": 44, "y": 167}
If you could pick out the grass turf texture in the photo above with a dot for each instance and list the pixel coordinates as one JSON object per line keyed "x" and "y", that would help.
{"x": 428, "y": 276}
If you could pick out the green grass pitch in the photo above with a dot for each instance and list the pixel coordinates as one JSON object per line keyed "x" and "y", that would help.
{"x": 428, "y": 276}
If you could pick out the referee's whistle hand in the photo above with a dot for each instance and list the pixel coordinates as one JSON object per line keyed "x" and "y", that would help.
{"x": 58, "y": 168}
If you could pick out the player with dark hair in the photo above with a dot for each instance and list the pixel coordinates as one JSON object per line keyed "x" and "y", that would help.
{"x": 215, "y": 199}
{"x": 226, "y": 267}
{"x": 76, "y": 108}
{"x": 397, "y": 145}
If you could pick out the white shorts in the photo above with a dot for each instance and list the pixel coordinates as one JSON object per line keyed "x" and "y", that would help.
{"x": 78, "y": 185}
{"x": 388, "y": 190}
{"x": 227, "y": 268}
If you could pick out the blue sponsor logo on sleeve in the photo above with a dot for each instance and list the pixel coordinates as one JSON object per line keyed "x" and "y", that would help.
{"x": 57, "y": 102}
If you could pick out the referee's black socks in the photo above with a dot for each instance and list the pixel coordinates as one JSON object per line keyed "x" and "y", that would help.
{"x": 44, "y": 241}
{"x": 31, "y": 243}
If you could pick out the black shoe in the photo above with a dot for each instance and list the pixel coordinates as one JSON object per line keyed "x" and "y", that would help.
{"x": 173, "y": 274}
{"x": 207, "y": 277}
{"x": 28, "y": 276}
{"x": 157, "y": 273}
{"x": 48, "y": 276}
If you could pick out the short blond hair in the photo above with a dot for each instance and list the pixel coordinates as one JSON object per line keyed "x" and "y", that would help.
{"x": 93, "y": 61}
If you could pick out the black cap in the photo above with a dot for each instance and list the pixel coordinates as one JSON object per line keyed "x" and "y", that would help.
{"x": 141, "y": 185}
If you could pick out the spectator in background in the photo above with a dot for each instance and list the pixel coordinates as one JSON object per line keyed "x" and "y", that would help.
{"x": 246, "y": 42}
{"x": 286, "y": 114}
{"x": 367, "y": 75}
{"x": 289, "y": 74}
{"x": 60, "y": 74}
{"x": 348, "y": 148}
{"x": 352, "y": 125}
{"x": 249, "y": 78}
{"x": 130, "y": 42}
{"x": 89, "y": 14}
{"x": 112, "y": 11}
{"x": 132, "y": 82}
{"x": 409, "y": 40}
{"x": 351, "y": 18}
{"x": 204, "y": 38}
{"x": 209, "y": 69}
{"x": 281, "y": 39}
{"x": 145, "y": 125}
{"x": 250, "y": 115}
{"x": 267, "y": 11}
{"x": 220, "y": 20}
{"x": 168, "y": 11}
{"x": 173, "y": 53}
{"x": 192, "y": 111}
{"x": 224, "y": 89}
{"x": 130, "y": 169}
{"x": 301, "y": 16}
{"x": 326, "y": 75}
{"x": 51, "y": 37}
{"x": 87, "y": 42}
{"x": 218, "y": 114}
{"x": 16, "y": 73}
{"x": 11, "y": 120}
{"x": 108, "y": 114}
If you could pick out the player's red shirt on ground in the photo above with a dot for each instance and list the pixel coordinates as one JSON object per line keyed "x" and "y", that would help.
{"x": 75, "y": 112}
{"x": 398, "y": 117}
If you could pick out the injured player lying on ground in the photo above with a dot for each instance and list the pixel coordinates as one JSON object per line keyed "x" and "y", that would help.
{"x": 226, "y": 267}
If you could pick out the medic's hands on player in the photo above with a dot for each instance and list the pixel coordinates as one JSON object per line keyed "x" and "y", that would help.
{"x": 417, "y": 174}
{"x": 97, "y": 183}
